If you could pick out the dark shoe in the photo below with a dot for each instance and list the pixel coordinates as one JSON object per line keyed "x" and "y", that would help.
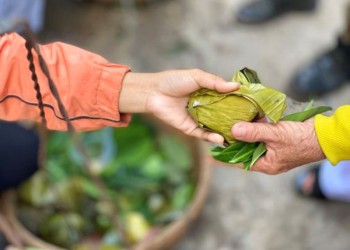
{"x": 328, "y": 72}
{"x": 307, "y": 183}
{"x": 264, "y": 10}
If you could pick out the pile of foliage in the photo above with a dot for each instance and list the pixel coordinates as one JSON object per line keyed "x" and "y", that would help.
{"x": 141, "y": 179}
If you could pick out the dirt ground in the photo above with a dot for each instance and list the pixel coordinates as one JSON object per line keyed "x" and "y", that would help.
{"x": 245, "y": 210}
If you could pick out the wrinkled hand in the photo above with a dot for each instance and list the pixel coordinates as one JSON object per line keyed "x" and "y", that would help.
{"x": 288, "y": 144}
{"x": 166, "y": 94}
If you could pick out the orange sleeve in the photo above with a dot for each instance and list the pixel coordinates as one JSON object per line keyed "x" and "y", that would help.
{"x": 89, "y": 86}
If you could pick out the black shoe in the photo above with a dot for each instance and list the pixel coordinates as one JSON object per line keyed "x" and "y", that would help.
{"x": 264, "y": 10}
{"x": 325, "y": 74}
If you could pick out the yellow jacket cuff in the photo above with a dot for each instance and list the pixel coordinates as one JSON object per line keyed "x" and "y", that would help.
{"x": 333, "y": 134}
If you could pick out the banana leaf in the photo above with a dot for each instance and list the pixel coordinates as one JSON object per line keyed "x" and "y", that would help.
{"x": 217, "y": 112}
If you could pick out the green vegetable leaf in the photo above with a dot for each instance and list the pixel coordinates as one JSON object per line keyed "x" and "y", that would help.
{"x": 244, "y": 153}
{"x": 226, "y": 154}
{"x": 306, "y": 114}
{"x": 309, "y": 105}
{"x": 246, "y": 76}
{"x": 259, "y": 151}
{"x": 246, "y": 165}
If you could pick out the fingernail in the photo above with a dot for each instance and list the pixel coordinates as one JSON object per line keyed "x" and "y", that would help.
{"x": 216, "y": 138}
{"x": 233, "y": 84}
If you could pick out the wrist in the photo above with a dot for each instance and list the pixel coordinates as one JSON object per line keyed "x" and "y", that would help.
{"x": 316, "y": 147}
{"x": 135, "y": 91}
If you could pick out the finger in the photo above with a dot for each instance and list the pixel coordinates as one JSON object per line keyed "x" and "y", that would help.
{"x": 253, "y": 132}
{"x": 190, "y": 127}
{"x": 210, "y": 81}
{"x": 215, "y": 138}
{"x": 207, "y": 136}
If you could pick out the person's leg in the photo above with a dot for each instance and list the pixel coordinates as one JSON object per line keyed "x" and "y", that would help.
{"x": 19, "y": 148}
{"x": 324, "y": 181}
{"x": 334, "y": 181}
{"x": 260, "y": 11}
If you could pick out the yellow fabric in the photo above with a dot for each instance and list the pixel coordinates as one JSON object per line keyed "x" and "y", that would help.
{"x": 333, "y": 134}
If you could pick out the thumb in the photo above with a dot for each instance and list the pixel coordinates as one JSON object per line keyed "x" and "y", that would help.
{"x": 252, "y": 132}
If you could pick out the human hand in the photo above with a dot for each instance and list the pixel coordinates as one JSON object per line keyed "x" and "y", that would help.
{"x": 288, "y": 144}
{"x": 166, "y": 94}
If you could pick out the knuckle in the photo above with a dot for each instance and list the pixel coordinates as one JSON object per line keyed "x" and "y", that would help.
{"x": 190, "y": 131}
{"x": 196, "y": 71}
{"x": 256, "y": 132}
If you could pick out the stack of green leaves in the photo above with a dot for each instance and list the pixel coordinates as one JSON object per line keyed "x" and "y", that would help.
{"x": 218, "y": 112}
{"x": 147, "y": 174}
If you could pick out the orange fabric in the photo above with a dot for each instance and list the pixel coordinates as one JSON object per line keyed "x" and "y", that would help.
{"x": 89, "y": 86}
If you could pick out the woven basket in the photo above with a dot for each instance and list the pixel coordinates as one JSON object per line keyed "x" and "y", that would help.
{"x": 166, "y": 238}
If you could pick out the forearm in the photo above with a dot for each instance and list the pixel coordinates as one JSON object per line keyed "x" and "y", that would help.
{"x": 89, "y": 86}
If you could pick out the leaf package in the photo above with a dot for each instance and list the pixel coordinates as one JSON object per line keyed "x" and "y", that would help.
{"x": 218, "y": 112}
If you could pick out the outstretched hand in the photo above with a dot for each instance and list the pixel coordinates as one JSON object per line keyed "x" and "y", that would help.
{"x": 288, "y": 144}
{"x": 166, "y": 94}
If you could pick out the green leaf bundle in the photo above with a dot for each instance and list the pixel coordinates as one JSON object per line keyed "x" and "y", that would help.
{"x": 217, "y": 112}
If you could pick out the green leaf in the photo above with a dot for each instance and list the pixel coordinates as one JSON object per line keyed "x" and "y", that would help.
{"x": 90, "y": 188}
{"x": 246, "y": 76}
{"x": 251, "y": 75}
{"x": 233, "y": 147}
{"x": 306, "y": 114}
{"x": 217, "y": 150}
{"x": 259, "y": 151}
{"x": 247, "y": 164}
{"x": 174, "y": 150}
{"x": 153, "y": 167}
{"x": 309, "y": 105}
{"x": 226, "y": 154}
{"x": 182, "y": 195}
{"x": 244, "y": 153}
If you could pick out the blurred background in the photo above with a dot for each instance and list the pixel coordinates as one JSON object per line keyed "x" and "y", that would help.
{"x": 244, "y": 210}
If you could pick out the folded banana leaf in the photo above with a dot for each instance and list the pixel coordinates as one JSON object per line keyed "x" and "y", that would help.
{"x": 218, "y": 112}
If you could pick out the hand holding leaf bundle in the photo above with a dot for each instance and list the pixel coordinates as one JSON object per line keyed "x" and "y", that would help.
{"x": 219, "y": 112}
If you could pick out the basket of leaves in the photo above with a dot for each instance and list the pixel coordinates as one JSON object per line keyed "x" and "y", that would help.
{"x": 147, "y": 186}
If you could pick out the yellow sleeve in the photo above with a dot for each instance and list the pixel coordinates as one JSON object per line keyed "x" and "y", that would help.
{"x": 333, "y": 134}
